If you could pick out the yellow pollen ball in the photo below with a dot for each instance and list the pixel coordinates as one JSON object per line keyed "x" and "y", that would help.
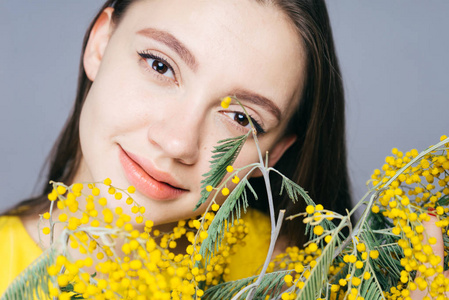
{"x": 52, "y": 196}
{"x": 198, "y": 257}
{"x": 63, "y": 280}
{"x": 77, "y": 187}
{"x": 102, "y": 201}
{"x": 95, "y": 191}
{"x": 235, "y": 179}
{"x": 46, "y": 215}
{"x": 131, "y": 189}
{"x": 107, "y": 181}
{"x": 225, "y": 102}
{"x": 313, "y": 247}
{"x": 61, "y": 190}
{"x": 135, "y": 264}
{"x": 318, "y": 230}
{"x": 203, "y": 234}
{"x": 288, "y": 278}
{"x": 215, "y": 207}
{"x": 196, "y": 224}
{"x": 46, "y": 230}
{"x": 135, "y": 209}
{"x": 225, "y": 191}
{"x": 356, "y": 281}
{"x": 359, "y": 264}
{"x": 361, "y": 247}
{"x": 229, "y": 169}
{"x": 405, "y": 201}
{"x": 310, "y": 209}
{"x": 374, "y": 254}
{"x": 62, "y": 217}
{"x": 209, "y": 188}
{"x": 342, "y": 282}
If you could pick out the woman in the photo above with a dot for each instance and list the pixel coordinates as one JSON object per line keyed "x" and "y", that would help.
{"x": 147, "y": 111}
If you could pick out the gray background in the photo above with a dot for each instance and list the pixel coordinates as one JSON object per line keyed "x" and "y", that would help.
{"x": 394, "y": 57}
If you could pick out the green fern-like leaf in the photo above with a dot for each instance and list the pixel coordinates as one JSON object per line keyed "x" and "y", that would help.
{"x": 32, "y": 283}
{"x": 443, "y": 201}
{"x": 271, "y": 284}
{"x": 371, "y": 288}
{"x": 295, "y": 192}
{"x": 390, "y": 254}
{"x": 225, "y": 154}
{"x": 314, "y": 284}
{"x": 229, "y": 211}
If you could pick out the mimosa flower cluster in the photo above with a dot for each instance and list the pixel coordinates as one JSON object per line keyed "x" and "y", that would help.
{"x": 418, "y": 192}
{"x": 105, "y": 254}
{"x": 108, "y": 254}
{"x": 388, "y": 253}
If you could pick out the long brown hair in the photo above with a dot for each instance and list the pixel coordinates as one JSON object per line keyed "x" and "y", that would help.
{"x": 316, "y": 161}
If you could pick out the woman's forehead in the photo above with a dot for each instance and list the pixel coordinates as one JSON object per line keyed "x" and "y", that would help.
{"x": 241, "y": 40}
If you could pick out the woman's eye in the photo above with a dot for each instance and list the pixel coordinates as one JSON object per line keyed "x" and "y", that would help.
{"x": 242, "y": 120}
{"x": 160, "y": 67}
{"x": 158, "y": 64}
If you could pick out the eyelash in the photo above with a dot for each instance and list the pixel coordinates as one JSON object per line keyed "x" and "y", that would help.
{"x": 257, "y": 126}
{"x": 148, "y": 55}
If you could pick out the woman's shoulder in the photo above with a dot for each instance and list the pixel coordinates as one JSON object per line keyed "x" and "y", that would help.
{"x": 17, "y": 249}
{"x": 15, "y": 237}
{"x": 7, "y": 220}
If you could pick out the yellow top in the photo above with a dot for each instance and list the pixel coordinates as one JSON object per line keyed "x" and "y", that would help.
{"x": 19, "y": 250}
{"x": 248, "y": 259}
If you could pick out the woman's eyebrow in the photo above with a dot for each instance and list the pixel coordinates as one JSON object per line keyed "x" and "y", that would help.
{"x": 257, "y": 99}
{"x": 172, "y": 42}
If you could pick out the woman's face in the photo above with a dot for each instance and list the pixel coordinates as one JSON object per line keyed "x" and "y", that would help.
{"x": 153, "y": 114}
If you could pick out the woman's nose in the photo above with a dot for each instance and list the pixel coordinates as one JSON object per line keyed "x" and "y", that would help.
{"x": 177, "y": 135}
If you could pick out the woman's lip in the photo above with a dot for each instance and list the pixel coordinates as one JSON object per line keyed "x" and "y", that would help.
{"x": 146, "y": 179}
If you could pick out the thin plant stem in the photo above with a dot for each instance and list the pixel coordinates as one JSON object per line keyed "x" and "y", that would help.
{"x": 275, "y": 228}
{"x": 242, "y": 291}
{"x": 274, "y": 236}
